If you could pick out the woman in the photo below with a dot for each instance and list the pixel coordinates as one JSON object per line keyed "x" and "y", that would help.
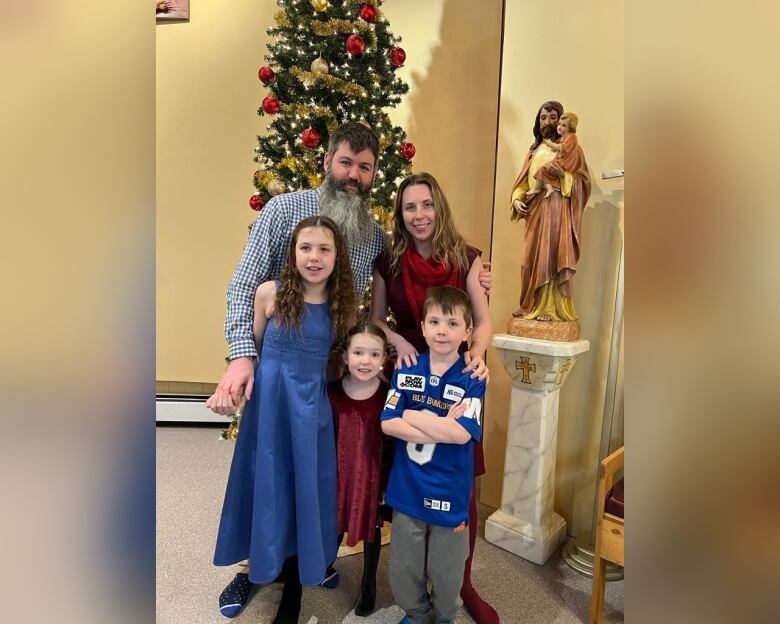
{"x": 428, "y": 251}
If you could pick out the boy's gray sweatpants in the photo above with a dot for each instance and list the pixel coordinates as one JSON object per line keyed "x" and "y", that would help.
{"x": 447, "y": 552}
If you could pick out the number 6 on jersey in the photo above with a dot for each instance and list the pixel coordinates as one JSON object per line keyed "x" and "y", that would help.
{"x": 420, "y": 453}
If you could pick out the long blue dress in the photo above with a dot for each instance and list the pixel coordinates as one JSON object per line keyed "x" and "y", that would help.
{"x": 281, "y": 493}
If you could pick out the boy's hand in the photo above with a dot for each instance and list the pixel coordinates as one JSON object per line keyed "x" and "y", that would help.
{"x": 457, "y": 410}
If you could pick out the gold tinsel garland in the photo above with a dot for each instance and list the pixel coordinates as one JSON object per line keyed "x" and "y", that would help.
{"x": 293, "y": 164}
{"x": 334, "y": 26}
{"x": 231, "y": 433}
{"x": 384, "y": 142}
{"x": 282, "y": 19}
{"x": 312, "y": 111}
{"x": 307, "y": 110}
{"x": 309, "y": 78}
{"x": 264, "y": 178}
{"x": 384, "y": 217}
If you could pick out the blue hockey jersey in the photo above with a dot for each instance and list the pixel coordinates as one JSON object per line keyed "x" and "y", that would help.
{"x": 432, "y": 482}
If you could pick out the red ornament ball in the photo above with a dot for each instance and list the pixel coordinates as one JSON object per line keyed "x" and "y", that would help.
{"x": 407, "y": 150}
{"x": 355, "y": 45}
{"x": 368, "y": 13}
{"x": 310, "y": 138}
{"x": 256, "y": 202}
{"x": 266, "y": 74}
{"x": 397, "y": 56}
{"x": 270, "y": 105}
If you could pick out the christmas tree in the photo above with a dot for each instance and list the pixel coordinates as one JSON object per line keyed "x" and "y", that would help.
{"x": 329, "y": 62}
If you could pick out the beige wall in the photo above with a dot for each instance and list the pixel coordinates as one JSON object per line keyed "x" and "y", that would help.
{"x": 207, "y": 97}
{"x": 578, "y": 60}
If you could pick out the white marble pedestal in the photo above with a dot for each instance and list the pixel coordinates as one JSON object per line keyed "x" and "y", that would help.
{"x": 526, "y": 524}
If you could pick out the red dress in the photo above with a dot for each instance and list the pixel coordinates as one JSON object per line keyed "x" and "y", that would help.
{"x": 364, "y": 457}
{"x": 407, "y": 326}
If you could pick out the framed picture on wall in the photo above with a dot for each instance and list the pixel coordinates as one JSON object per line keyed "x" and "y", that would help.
{"x": 172, "y": 9}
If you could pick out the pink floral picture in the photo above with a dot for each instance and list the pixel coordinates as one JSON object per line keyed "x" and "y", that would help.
{"x": 172, "y": 9}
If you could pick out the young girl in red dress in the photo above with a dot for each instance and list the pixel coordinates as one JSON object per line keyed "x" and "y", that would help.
{"x": 363, "y": 453}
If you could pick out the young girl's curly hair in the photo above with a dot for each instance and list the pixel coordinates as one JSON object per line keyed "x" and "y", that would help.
{"x": 340, "y": 287}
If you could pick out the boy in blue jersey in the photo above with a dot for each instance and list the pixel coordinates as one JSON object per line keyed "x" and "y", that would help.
{"x": 434, "y": 410}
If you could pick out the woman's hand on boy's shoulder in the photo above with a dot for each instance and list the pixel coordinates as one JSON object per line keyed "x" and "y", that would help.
{"x": 477, "y": 366}
{"x": 407, "y": 354}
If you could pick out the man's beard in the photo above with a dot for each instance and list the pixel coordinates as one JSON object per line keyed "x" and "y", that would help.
{"x": 550, "y": 132}
{"x": 349, "y": 210}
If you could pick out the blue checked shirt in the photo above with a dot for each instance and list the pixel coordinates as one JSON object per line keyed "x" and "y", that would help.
{"x": 264, "y": 255}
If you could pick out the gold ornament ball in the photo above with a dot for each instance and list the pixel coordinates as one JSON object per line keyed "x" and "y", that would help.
{"x": 320, "y": 66}
{"x": 319, "y": 5}
{"x": 275, "y": 187}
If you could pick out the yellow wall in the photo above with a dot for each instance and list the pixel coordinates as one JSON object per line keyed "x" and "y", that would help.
{"x": 207, "y": 97}
{"x": 577, "y": 59}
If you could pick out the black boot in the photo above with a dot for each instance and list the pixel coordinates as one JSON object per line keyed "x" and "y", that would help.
{"x": 367, "y": 599}
{"x": 290, "y": 606}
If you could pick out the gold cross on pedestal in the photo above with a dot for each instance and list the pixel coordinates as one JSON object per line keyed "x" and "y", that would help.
{"x": 525, "y": 365}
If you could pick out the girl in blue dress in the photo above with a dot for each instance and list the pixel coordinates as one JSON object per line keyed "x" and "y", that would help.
{"x": 280, "y": 503}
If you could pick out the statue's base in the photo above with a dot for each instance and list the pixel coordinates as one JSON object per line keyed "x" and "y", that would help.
{"x": 560, "y": 331}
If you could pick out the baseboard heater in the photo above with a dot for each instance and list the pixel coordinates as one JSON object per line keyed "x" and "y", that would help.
{"x": 186, "y": 408}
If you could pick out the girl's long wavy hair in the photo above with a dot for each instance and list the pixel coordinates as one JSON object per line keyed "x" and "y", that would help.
{"x": 340, "y": 287}
{"x": 449, "y": 247}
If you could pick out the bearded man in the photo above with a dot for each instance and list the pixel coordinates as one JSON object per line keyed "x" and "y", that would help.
{"x": 553, "y": 227}
{"x": 344, "y": 196}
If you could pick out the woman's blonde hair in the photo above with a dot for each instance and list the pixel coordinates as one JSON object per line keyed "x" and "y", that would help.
{"x": 449, "y": 247}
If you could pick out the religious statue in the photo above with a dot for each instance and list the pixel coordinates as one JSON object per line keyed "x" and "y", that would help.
{"x": 553, "y": 226}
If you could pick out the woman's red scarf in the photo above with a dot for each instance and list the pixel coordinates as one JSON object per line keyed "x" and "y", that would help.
{"x": 419, "y": 275}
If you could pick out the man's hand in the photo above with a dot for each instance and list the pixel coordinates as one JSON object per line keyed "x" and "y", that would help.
{"x": 477, "y": 365}
{"x": 486, "y": 278}
{"x": 236, "y": 383}
{"x": 520, "y": 208}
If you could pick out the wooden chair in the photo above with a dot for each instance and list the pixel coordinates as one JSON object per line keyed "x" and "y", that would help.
{"x": 610, "y": 535}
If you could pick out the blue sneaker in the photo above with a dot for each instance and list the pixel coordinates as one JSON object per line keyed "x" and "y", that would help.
{"x": 331, "y": 579}
{"x": 235, "y": 596}
{"x": 406, "y": 620}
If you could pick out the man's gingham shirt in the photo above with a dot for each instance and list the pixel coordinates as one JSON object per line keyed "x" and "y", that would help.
{"x": 264, "y": 255}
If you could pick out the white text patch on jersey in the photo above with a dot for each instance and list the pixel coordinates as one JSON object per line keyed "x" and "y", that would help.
{"x": 392, "y": 399}
{"x": 411, "y": 382}
{"x": 453, "y": 393}
{"x": 474, "y": 409}
{"x": 434, "y": 380}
